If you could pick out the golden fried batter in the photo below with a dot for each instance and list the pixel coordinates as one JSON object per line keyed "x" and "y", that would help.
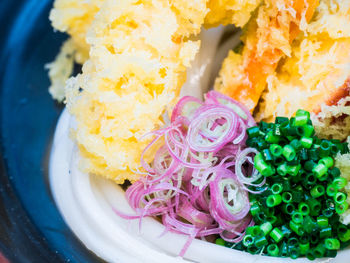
{"x": 267, "y": 39}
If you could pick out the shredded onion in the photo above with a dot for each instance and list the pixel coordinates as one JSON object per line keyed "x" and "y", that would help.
{"x": 199, "y": 178}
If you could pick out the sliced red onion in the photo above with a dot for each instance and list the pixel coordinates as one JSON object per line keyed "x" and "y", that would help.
{"x": 205, "y": 122}
{"x": 242, "y": 158}
{"x": 228, "y": 196}
{"x": 197, "y": 182}
{"x": 214, "y": 97}
{"x": 186, "y": 107}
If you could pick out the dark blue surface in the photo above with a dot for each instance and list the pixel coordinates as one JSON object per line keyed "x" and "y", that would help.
{"x": 31, "y": 228}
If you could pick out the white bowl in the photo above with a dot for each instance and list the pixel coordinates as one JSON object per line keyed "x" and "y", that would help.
{"x": 87, "y": 202}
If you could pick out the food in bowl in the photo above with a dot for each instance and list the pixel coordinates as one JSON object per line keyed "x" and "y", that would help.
{"x": 136, "y": 55}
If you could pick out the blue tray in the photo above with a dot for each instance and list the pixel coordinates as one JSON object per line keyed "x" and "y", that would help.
{"x": 31, "y": 227}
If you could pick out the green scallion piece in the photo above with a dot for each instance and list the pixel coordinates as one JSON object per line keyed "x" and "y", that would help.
{"x": 297, "y": 217}
{"x": 271, "y": 219}
{"x": 319, "y": 251}
{"x": 327, "y": 161}
{"x": 340, "y": 198}
{"x": 325, "y": 148}
{"x": 260, "y": 241}
{"x": 308, "y": 130}
{"x": 220, "y": 242}
{"x": 273, "y": 250}
{"x": 326, "y": 232}
{"x": 300, "y": 120}
{"x": 322, "y": 221}
{"x": 273, "y": 200}
{"x": 306, "y": 142}
{"x": 288, "y": 208}
{"x": 253, "y": 231}
{"x": 343, "y": 233}
{"x": 289, "y": 152}
{"x": 303, "y": 113}
{"x": 276, "y": 234}
{"x": 303, "y": 155}
{"x": 332, "y": 243}
{"x": 310, "y": 255}
{"x": 297, "y": 228}
{"x": 335, "y": 172}
{"x": 309, "y": 224}
{"x": 248, "y": 240}
{"x": 313, "y": 154}
{"x": 254, "y": 209}
{"x": 331, "y": 190}
{"x": 317, "y": 191}
{"x": 328, "y": 212}
{"x": 266, "y": 228}
{"x": 339, "y": 182}
{"x": 276, "y": 150}
{"x": 271, "y": 138}
{"x": 341, "y": 208}
{"x": 287, "y": 197}
{"x": 264, "y": 168}
{"x": 282, "y": 169}
{"x": 280, "y": 120}
{"x": 319, "y": 170}
{"x": 253, "y": 250}
{"x": 293, "y": 170}
{"x": 284, "y": 250}
{"x": 310, "y": 179}
{"x": 253, "y": 132}
{"x": 315, "y": 206}
{"x": 304, "y": 209}
{"x": 267, "y": 156}
{"x": 304, "y": 248}
{"x": 296, "y": 144}
{"x": 294, "y": 252}
{"x": 297, "y": 196}
{"x": 276, "y": 188}
{"x": 309, "y": 165}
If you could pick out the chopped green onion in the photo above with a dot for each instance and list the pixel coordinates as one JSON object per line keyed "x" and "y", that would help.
{"x": 340, "y": 198}
{"x": 276, "y": 188}
{"x": 322, "y": 221}
{"x": 289, "y": 152}
{"x": 273, "y": 200}
{"x": 339, "y": 183}
{"x": 276, "y": 150}
{"x": 276, "y": 234}
{"x": 266, "y": 228}
{"x": 220, "y": 241}
{"x": 327, "y": 161}
{"x": 297, "y": 217}
{"x": 287, "y": 197}
{"x": 326, "y": 232}
{"x": 306, "y": 142}
{"x": 341, "y": 208}
{"x": 273, "y": 250}
{"x": 248, "y": 240}
{"x": 332, "y": 243}
{"x": 253, "y": 132}
{"x": 331, "y": 190}
{"x": 317, "y": 191}
{"x": 319, "y": 170}
{"x": 304, "y": 209}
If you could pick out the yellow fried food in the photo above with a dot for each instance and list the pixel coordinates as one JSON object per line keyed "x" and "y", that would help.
{"x": 136, "y": 54}
{"x": 225, "y": 12}
{"x": 75, "y": 17}
{"x": 137, "y": 65}
{"x": 61, "y": 69}
{"x": 267, "y": 39}
{"x": 317, "y": 75}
